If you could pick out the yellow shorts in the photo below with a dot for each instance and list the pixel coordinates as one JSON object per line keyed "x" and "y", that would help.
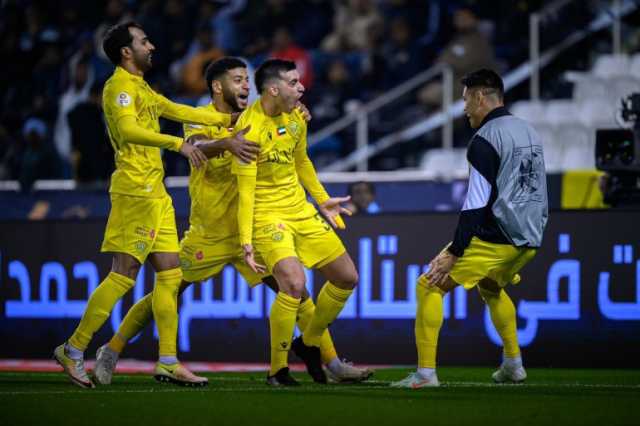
{"x": 498, "y": 262}
{"x": 139, "y": 226}
{"x": 202, "y": 258}
{"x": 310, "y": 239}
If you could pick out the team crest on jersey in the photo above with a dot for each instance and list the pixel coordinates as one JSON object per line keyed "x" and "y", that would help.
{"x": 199, "y": 255}
{"x": 277, "y": 236}
{"x": 124, "y": 99}
{"x": 293, "y": 128}
{"x": 141, "y": 246}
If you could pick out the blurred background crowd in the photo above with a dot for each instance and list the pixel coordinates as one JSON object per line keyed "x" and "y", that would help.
{"x": 348, "y": 52}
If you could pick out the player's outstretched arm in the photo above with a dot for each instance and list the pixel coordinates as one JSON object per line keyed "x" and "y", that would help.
{"x": 329, "y": 207}
{"x": 133, "y": 133}
{"x": 188, "y": 114}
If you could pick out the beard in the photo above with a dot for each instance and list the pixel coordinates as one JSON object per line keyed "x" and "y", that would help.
{"x": 230, "y": 99}
{"x": 143, "y": 61}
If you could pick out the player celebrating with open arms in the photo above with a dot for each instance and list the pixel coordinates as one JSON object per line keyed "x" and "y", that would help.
{"x": 141, "y": 223}
{"x": 275, "y": 218}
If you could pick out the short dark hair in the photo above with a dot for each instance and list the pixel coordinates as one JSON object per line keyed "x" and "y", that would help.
{"x": 117, "y": 37}
{"x": 485, "y": 79}
{"x": 217, "y": 68}
{"x": 271, "y": 69}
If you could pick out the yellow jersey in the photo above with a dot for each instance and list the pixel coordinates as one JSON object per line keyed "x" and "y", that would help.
{"x": 280, "y": 168}
{"x": 212, "y": 188}
{"x": 139, "y": 170}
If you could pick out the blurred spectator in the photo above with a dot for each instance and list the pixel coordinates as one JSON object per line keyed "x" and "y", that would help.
{"x": 363, "y": 196}
{"x": 402, "y": 54}
{"x": 469, "y": 50}
{"x": 260, "y": 19}
{"x": 9, "y": 155}
{"x": 224, "y": 25}
{"x": 115, "y": 12}
{"x": 39, "y": 158}
{"x": 92, "y": 152}
{"x": 428, "y": 20}
{"x": 46, "y": 76}
{"x": 81, "y": 79}
{"x": 283, "y": 47}
{"x": 328, "y": 98}
{"x": 354, "y": 25}
{"x": 327, "y": 103}
{"x": 314, "y": 23}
{"x": 190, "y": 68}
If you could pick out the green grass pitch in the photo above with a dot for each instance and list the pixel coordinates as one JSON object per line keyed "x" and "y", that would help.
{"x": 466, "y": 397}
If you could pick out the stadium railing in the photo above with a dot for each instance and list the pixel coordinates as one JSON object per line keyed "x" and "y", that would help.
{"x": 606, "y": 18}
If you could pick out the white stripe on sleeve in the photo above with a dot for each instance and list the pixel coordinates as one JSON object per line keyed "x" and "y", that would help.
{"x": 479, "y": 191}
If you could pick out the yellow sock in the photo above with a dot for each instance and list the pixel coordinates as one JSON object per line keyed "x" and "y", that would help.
{"x": 503, "y": 316}
{"x": 282, "y": 321}
{"x": 165, "y": 309}
{"x": 136, "y": 319}
{"x": 429, "y": 317}
{"x": 331, "y": 300}
{"x": 99, "y": 308}
{"x": 305, "y": 313}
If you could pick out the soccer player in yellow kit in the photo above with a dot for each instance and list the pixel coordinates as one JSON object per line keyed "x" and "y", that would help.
{"x": 141, "y": 223}
{"x": 212, "y": 239}
{"x": 275, "y": 217}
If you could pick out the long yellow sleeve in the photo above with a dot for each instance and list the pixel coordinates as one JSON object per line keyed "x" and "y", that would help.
{"x": 189, "y": 114}
{"x": 246, "y": 193}
{"x": 309, "y": 178}
{"x": 133, "y": 133}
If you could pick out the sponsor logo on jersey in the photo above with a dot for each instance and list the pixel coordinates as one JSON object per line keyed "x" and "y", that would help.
{"x": 123, "y": 99}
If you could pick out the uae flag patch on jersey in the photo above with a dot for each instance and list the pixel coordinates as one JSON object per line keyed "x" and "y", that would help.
{"x": 281, "y": 130}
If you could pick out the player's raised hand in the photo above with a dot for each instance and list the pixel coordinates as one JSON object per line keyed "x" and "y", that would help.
{"x": 195, "y": 156}
{"x": 249, "y": 259}
{"x": 306, "y": 114}
{"x": 242, "y": 148}
{"x": 332, "y": 209}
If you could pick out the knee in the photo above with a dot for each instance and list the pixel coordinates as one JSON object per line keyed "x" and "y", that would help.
{"x": 351, "y": 278}
{"x": 127, "y": 269}
{"x": 294, "y": 289}
{"x": 348, "y": 279}
{"x": 292, "y": 284}
{"x": 125, "y": 264}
